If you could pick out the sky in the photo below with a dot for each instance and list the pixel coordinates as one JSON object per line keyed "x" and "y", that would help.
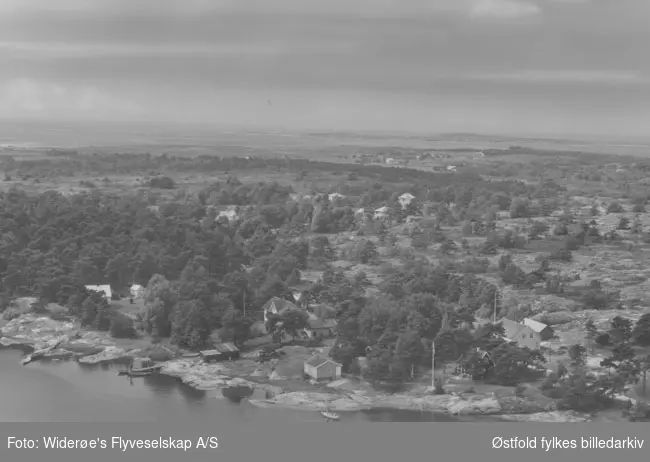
{"x": 474, "y": 66}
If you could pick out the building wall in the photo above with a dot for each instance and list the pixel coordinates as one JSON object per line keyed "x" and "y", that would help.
{"x": 311, "y": 371}
{"x": 546, "y": 334}
{"x": 319, "y": 333}
{"x": 528, "y": 338}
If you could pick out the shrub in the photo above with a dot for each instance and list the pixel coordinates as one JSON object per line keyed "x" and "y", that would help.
{"x": 554, "y": 319}
{"x": 603, "y": 339}
{"x": 162, "y": 182}
{"x": 438, "y": 388}
{"x": 121, "y": 326}
{"x": 615, "y": 207}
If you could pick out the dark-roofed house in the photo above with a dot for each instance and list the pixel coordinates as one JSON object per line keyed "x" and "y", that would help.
{"x": 276, "y": 306}
{"x": 545, "y": 332}
{"x": 321, "y": 368}
{"x": 221, "y": 352}
{"x": 321, "y": 328}
{"x": 521, "y": 334}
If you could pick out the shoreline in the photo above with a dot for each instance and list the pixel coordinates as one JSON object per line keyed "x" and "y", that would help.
{"x": 51, "y": 340}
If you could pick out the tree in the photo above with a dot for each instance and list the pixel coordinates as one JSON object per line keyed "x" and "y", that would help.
{"x": 368, "y": 252}
{"x": 191, "y": 324}
{"x": 591, "y": 332}
{"x": 520, "y": 208}
{"x": 644, "y": 368}
{"x": 621, "y": 329}
{"x": 510, "y": 364}
{"x": 579, "y": 391}
{"x": 578, "y": 356}
{"x": 513, "y": 275}
{"x": 322, "y": 248}
{"x": 615, "y": 207}
{"x": 446, "y": 346}
{"x": 159, "y": 301}
{"x": 409, "y": 351}
{"x": 121, "y": 326}
{"x": 290, "y": 322}
{"x": 235, "y": 326}
{"x": 641, "y": 331}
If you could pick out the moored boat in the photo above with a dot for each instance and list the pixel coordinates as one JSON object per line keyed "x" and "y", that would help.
{"x": 141, "y": 367}
{"x": 330, "y": 415}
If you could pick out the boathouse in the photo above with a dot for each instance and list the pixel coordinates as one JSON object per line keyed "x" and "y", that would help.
{"x": 221, "y": 352}
{"x": 321, "y": 368}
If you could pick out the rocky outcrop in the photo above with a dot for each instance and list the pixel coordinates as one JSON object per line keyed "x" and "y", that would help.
{"x": 201, "y": 376}
{"x": 555, "y": 416}
{"x": 57, "y": 339}
{"x": 110, "y": 353}
{"x": 36, "y": 331}
{"x": 449, "y": 404}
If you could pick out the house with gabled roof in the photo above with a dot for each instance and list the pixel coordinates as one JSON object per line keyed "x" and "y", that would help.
{"x": 321, "y": 368}
{"x": 521, "y": 334}
{"x": 277, "y": 306}
{"x": 320, "y": 328}
{"x": 544, "y": 331}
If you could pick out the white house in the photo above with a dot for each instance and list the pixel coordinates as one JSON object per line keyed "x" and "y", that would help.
{"x": 381, "y": 212}
{"x": 405, "y": 199}
{"x": 105, "y": 289}
{"x": 231, "y": 213}
{"x": 136, "y": 291}
{"x": 451, "y": 168}
{"x": 335, "y": 196}
{"x": 321, "y": 368}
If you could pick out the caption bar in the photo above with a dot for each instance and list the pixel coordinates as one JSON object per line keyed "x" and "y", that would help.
{"x": 554, "y": 442}
{"x": 116, "y": 442}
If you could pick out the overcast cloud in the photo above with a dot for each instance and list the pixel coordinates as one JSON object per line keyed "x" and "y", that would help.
{"x": 507, "y": 66}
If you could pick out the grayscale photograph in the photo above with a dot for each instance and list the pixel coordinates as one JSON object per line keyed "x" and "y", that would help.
{"x": 324, "y": 211}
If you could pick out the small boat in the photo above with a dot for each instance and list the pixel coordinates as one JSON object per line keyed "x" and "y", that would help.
{"x": 330, "y": 415}
{"x": 140, "y": 373}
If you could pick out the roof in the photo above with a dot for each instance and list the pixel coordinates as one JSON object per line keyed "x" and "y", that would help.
{"x": 301, "y": 286}
{"x": 280, "y": 304}
{"x": 382, "y": 209}
{"x": 512, "y": 328}
{"x": 323, "y": 311}
{"x": 322, "y": 324}
{"x": 220, "y": 349}
{"x": 317, "y": 361}
{"x": 535, "y": 325}
{"x": 106, "y": 289}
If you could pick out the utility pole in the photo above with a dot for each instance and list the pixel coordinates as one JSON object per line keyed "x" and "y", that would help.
{"x": 433, "y": 364}
{"x": 494, "y": 315}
